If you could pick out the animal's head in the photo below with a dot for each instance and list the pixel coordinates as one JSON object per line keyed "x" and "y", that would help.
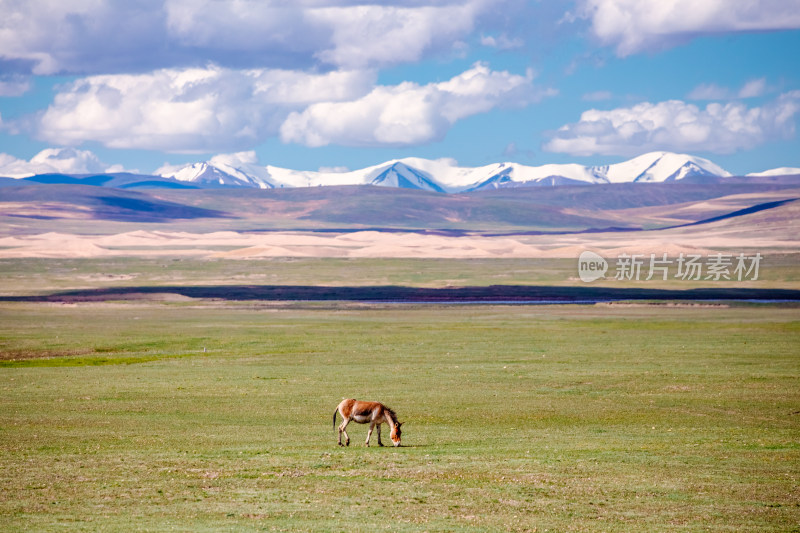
{"x": 396, "y": 434}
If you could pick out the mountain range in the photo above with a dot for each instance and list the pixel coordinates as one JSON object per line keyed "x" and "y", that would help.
{"x": 236, "y": 171}
{"x": 653, "y": 191}
{"x": 444, "y": 175}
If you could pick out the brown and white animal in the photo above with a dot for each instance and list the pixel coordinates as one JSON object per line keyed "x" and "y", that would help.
{"x": 373, "y": 413}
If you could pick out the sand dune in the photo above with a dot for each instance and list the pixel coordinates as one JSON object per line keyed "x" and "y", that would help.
{"x": 776, "y": 229}
{"x": 697, "y": 239}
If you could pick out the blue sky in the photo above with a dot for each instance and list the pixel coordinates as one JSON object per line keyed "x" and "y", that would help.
{"x": 88, "y": 86}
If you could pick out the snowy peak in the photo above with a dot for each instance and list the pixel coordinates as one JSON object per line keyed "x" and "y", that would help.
{"x": 501, "y": 179}
{"x": 782, "y": 171}
{"x": 507, "y": 175}
{"x": 444, "y": 175}
{"x": 403, "y": 176}
{"x": 217, "y": 176}
{"x": 652, "y": 167}
{"x": 661, "y": 167}
{"x": 206, "y": 175}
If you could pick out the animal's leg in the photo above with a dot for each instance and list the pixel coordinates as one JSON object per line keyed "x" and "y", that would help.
{"x": 342, "y": 428}
{"x": 379, "y": 436}
{"x": 369, "y": 433}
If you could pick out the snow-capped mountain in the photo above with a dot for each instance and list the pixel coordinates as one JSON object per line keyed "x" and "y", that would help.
{"x": 659, "y": 167}
{"x": 405, "y": 177}
{"x": 506, "y": 175}
{"x": 444, "y": 175}
{"x": 235, "y": 170}
{"x": 782, "y": 171}
{"x": 206, "y": 175}
{"x": 651, "y": 167}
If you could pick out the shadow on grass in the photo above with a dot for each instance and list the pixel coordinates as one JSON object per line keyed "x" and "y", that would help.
{"x": 494, "y": 294}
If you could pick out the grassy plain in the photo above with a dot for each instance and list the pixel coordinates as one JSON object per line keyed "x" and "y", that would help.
{"x": 201, "y": 415}
{"x": 36, "y": 276}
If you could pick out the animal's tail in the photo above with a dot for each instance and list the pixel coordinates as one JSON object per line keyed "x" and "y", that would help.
{"x": 334, "y": 417}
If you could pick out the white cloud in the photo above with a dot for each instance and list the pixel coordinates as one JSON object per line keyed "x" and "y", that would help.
{"x": 107, "y": 36}
{"x": 633, "y": 26}
{"x": 409, "y": 114}
{"x": 120, "y": 168}
{"x": 711, "y": 91}
{"x": 53, "y": 160}
{"x": 213, "y": 108}
{"x": 189, "y": 110}
{"x": 677, "y": 126}
{"x": 5, "y": 161}
{"x": 14, "y": 85}
{"x": 753, "y": 88}
{"x": 373, "y": 35}
{"x": 53, "y": 36}
{"x": 502, "y": 42}
{"x": 238, "y": 159}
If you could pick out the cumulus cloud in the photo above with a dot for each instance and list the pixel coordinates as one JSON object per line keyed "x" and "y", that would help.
{"x": 675, "y": 125}
{"x": 213, "y": 108}
{"x": 189, "y": 110}
{"x": 52, "y": 36}
{"x": 633, "y": 26}
{"x": 370, "y": 35}
{"x": 53, "y": 160}
{"x": 107, "y": 36}
{"x": 409, "y": 114}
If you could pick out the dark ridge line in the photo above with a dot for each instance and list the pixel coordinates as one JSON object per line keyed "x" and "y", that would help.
{"x": 404, "y": 294}
{"x": 740, "y": 212}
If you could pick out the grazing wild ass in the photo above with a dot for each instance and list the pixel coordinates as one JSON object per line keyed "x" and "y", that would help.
{"x": 374, "y": 413}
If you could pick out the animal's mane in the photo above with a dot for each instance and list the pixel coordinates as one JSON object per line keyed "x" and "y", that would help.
{"x": 392, "y": 414}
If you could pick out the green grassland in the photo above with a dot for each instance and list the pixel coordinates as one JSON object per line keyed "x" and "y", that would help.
{"x": 190, "y": 414}
{"x": 32, "y": 276}
{"x": 216, "y": 416}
